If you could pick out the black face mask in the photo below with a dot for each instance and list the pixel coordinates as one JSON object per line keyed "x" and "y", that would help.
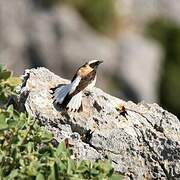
{"x": 94, "y": 65}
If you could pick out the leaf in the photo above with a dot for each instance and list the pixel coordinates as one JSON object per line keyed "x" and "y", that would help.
{"x": 21, "y": 122}
{"x": 10, "y": 109}
{"x": 61, "y": 147}
{"x": 1, "y": 67}
{"x": 13, "y": 81}
{"x": 62, "y": 150}
{"x": 54, "y": 172}
{"x": 14, "y": 173}
{"x": 40, "y": 177}
{"x": 70, "y": 166}
{"x": 116, "y": 177}
{"x": 5, "y": 75}
{"x": 29, "y": 147}
{"x": 83, "y": 167}
{"x": 94, "y": 171}
{"x": 62, "y": 167}
{"x": 46, "y": 136}
{"x": 32, "y": 168}
{"x": 3, "y": 123}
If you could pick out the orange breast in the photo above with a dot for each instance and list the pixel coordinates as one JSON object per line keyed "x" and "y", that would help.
{"x": 83, "y": 71}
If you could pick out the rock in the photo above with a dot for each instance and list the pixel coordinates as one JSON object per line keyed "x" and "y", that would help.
{"x": 140, "y": 12}
{"x": 140, "y": 64}
{"x": 60, "y": 39}
{"x": 144, "y": 144}
{"x": 56, "y": 37}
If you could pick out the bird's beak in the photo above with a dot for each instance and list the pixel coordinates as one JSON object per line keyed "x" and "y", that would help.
{"x": 100, "y": 62}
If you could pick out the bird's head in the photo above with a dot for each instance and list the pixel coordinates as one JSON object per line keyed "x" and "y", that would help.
{"x": 89, "y": 67}
{"x": 94, "y": 63}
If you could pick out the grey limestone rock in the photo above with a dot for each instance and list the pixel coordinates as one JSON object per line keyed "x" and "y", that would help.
{"x": 141, "y": 11}
{"x": 144, "y": 144}
{"x": 140, "y": 59}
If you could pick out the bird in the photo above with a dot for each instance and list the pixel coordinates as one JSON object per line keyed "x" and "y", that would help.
{"x": 69, "y": 96}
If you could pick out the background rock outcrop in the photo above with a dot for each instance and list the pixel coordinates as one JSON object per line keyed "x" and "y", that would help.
{"x": 60, "y": 39}
{"x": 144, "y": 144}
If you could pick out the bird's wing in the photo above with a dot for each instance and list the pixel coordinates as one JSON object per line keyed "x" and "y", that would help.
{"x": 70, "y": 95}
{"x": 84, "y": 82}
{"x": 75, "y": 84}
{"x": 74, "y": 99}
{"x": 62, "y": 91}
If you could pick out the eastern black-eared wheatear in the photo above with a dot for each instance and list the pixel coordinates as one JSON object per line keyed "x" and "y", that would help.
{"x": 69, "y": 96}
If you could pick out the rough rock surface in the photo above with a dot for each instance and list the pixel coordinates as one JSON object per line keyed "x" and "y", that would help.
{"x": 143, "y": 146}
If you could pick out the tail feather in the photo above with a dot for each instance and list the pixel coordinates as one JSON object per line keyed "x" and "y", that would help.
{"x": 75, "y": 102}
{"x": 61, "y": 92}
{"x": 66, "y": 101}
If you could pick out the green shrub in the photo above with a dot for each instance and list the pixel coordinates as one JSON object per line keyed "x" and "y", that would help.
{"x": 26, "y": 151}
{"x": 8, "y": 84}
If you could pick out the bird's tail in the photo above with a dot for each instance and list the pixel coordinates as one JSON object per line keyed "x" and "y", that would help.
{"x": 62, "y": 97}
{"x": 76, "y": 102}
{"x": 60, "y": 93}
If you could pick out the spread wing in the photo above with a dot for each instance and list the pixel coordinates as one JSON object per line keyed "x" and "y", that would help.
{"x": 63, "y": 91}
{"x": 70, "y": 95}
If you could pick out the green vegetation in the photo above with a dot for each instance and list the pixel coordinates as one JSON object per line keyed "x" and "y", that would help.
{"x": 8, "y": 84}
{"x": 26, "y": 151}
{"x": 168, "y": 34}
